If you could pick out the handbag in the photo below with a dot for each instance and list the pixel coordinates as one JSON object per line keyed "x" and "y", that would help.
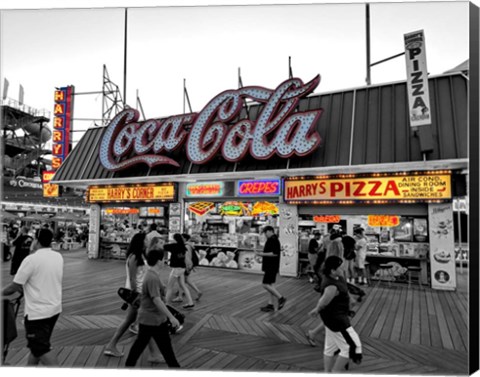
{"x": 129, "y": 297}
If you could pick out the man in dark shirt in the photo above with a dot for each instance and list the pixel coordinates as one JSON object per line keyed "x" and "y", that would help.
{"x": 22, "y": 249}
{"x": 313, "y": 250}
{"x": 271, "y": 265}
{"x": 349, "y": 257}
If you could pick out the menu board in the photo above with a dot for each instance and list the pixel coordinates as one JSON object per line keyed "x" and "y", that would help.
{"x": 442, "y": 251}
{"x": 288, "y": 240}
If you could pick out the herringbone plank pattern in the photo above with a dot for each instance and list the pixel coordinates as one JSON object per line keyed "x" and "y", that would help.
{"x": 403, "y": 331}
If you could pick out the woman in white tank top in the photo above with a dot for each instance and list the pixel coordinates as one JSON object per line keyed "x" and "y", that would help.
{"x": 135, "y": 270}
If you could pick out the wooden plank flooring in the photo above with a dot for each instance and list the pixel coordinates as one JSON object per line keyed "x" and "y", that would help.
{"x": 403, "y": 331}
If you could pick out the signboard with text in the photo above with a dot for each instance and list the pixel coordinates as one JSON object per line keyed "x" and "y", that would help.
{"x": 62, "y": 122}
{"x": 372, "y": 189}
{"x": 259, "y": 187}
{"x": 383, "y": 221}
{"x": 205, "y": 189}
{"x": 50, "y": 190}
{"x": 417, "y": 79}
{"x": 278, "y": 130}
{"x": 135, "y": 193}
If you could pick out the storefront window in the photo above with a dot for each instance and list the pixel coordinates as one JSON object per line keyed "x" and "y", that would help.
{"x": 408, "y": 238}
{"x": 227, "y": 233}
{"x": 119, "y": 224}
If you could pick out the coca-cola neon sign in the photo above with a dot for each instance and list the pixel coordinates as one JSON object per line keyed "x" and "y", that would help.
{"x": 278, "y": 130}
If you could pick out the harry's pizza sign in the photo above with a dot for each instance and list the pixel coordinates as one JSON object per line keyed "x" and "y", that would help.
{"x": 376, "y": 189}
{"x": 278, "y": 130}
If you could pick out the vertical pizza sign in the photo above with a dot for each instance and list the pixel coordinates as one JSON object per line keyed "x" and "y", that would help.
{"x": 417, "y": 79}
{"x": 442, "y": 246}
{"x": 62, "y": 122}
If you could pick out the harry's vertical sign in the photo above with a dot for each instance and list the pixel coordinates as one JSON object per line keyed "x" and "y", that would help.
{"x": 417, "y": 79}
{"x": 62, "y": 120}
{"x": 63, "y": 113}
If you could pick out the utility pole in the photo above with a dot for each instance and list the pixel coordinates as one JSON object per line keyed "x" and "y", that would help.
{"x": 125, "y": 61}
{"x": 367, "y": 19}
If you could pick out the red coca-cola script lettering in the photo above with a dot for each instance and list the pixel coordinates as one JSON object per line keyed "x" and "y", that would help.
{"x": 278, "y": 130}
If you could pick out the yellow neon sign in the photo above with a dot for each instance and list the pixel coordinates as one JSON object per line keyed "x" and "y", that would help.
{"x": 137, "y": 193}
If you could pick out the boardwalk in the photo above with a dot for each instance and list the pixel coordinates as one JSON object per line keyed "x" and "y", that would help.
{"x": 404, "y": 331}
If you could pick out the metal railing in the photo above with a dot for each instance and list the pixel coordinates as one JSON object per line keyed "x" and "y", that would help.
{"x": 26, "y": 109}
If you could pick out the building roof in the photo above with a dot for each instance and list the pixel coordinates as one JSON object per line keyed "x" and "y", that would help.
{"x": 363, "y": 126}
{"x": 462, "y": 67}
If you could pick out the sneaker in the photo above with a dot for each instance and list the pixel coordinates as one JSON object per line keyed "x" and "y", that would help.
{"x": 188, "y": 306}
{"x": 268, "y": 308}
{"x": 133, "y": 329}
{"x": 281, "y": 302}
{"x": 311, "y": 280}
{"x": 112, "y": 352}
{"x": 310, "y": 339}
{"x": 199, "y": 295}
{"x": 177, "y": 299}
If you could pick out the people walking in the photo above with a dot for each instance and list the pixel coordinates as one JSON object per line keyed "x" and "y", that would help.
{"x": 21, "y": 245}
{"x": 270, "y": 267}
{"x": 40, "y": 276}
{"x": 151, "y": 234}
{"x": 178, "y": 252}
{"x": 349, "y": 257}
{"x": 361, "y": 254}
{"x": 135, "y": 271}
{"x": 334, "y": 309}
{"x": 314, "y": 247}
{"x": 191, "y": 261}
{"x": 153, "y": 315}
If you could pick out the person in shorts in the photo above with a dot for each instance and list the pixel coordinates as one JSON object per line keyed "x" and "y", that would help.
{"x": 361, "y": 251}
{"x": 314, "y": 246}
{"x": 349, "y": 257}
{"x": 40, "y": 278}
{"x": 178, "y": 251}
{"x": 270, "y": 266}
{"x": 334, "y": 309}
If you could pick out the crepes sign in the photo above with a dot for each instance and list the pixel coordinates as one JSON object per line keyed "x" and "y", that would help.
{"x": 278, "y": 130}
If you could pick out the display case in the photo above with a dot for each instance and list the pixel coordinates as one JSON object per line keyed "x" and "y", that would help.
{"x": 228, "y": 234}
{"x": 217, "y": 256}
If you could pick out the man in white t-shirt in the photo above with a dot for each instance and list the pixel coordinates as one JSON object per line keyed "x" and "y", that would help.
{"x": 40, "y": 278}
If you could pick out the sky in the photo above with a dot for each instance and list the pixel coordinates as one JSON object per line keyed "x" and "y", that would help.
{"x": 41, "y": 49}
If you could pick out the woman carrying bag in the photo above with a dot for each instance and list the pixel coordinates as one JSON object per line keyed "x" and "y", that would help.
{"x": 334, "y": 309}
{"x": 135, "y": 270}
